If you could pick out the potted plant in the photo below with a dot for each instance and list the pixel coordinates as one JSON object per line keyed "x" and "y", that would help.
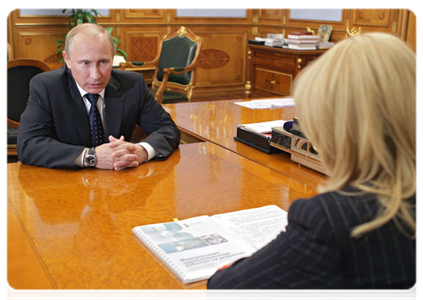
{"x": 80, "y": 16}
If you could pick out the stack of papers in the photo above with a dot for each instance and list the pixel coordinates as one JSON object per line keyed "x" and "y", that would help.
{"x": 267, "y": 103}
{"x": 303, "y": 41}
{"x": 275, "y": 40}
{"x": 263, "y": 127}
{"x": 325, "y": 45}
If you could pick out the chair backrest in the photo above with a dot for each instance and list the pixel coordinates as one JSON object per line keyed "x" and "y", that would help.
{"x": 19, "y": 73}
{"x": 177, "y": 52}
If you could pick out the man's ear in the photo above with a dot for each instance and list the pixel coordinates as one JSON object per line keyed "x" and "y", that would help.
{"x": 66, "y": 58}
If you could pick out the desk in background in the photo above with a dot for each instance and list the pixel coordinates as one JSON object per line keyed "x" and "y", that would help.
{"x": 72, "y": 229}
{"x": 217, "y": 122}
{"x": 273, "y": 69}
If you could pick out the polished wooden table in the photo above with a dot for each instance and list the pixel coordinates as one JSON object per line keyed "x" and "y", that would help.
{"x": 71, "y": 229}
{"x": 217, "y": 122}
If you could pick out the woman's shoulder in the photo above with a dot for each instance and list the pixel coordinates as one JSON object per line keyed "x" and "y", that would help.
{"x": 345, "y": 209}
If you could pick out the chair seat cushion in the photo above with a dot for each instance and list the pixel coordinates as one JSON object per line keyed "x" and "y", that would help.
{"x": 173, "y": 97}
{"x": 12, "y": 136}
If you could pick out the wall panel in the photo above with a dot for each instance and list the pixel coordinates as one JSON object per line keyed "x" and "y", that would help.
{"x": 40, "y": 45}
{"x": 157, "y": 14}
{"x": 223, "y": 64}
{"x": 223, "y": 57}
{"x": 409, "y": 29}
{"x": 142, "y": 44}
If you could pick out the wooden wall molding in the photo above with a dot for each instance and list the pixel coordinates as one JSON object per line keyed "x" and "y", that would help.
{"x": 224, "y": 65}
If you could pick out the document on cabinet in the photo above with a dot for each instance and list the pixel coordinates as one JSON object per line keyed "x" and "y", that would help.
{"x": 195, "y": 248}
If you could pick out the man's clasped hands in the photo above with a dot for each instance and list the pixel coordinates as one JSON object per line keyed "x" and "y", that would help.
{"x": 119, "y": 154}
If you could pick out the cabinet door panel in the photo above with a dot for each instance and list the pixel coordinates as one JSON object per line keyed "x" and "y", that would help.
{"x": 282, "y": 83}
{"x": 285, "y": 63}
{"x": 263, "y": 79}
{"x": 371, "y": 17}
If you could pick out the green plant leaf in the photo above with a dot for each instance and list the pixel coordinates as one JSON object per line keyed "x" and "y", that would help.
{"x": 124, "y": 54}
{"x": 89, "y": 18}
{"x": 80, "y": 16}
{"x": 95, "y": 12}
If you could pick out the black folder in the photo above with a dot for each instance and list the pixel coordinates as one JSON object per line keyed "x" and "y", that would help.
{"x": 256, "y": 140}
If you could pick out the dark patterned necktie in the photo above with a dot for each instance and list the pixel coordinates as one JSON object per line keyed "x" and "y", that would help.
{"x": 97, "y": 132}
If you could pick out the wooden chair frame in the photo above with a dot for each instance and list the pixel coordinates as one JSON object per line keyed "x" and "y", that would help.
{"x": 11, "y": 149}
{"x": 164, "y": 84}
{"x": 9, "y": 50}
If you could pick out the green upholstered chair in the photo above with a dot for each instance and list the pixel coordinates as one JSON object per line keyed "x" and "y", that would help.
{"x": 176, "y": 63}
{"x": 19, "y": 73}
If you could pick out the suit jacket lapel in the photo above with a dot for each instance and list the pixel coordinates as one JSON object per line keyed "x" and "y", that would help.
{"x": 78, "y": 110}
{"x": 113, "y": 108}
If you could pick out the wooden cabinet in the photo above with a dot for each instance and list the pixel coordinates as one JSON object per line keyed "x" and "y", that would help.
{"x": 272, "y": 70}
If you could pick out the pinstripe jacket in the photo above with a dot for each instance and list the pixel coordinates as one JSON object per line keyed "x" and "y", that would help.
{"x": 316, "y": 251}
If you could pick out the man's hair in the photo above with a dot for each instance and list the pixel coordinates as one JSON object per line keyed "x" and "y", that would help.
{"x": 88, "y": 28}
{"x": 357, "y": 105}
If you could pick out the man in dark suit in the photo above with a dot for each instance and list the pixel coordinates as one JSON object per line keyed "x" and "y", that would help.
{"x": 84, "y": 114}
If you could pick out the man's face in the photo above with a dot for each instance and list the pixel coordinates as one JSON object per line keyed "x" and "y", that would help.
{"x": 90, "y": 61}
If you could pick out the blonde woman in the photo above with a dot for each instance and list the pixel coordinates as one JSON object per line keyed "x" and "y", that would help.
{"x": 356, "y": 104}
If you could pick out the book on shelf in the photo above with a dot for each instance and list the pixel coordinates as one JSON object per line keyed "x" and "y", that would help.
{"x": 303, "y": 37}
{"x": 275, "y": 40}
{"x": 274, "y": 43}
{"x": 303, "y": 41}
{"x": 277, "y": 36}
{"x": 195, "y": 248}
{"x": 258, "y": 135}
{"x": 325, "y": 45}
{"x": 302, "y": 46}
{"x": 300, "y": 33}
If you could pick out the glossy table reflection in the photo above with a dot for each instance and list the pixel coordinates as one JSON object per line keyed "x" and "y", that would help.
{"x": 72, "y": 229}
{"x": 217, "y": 122}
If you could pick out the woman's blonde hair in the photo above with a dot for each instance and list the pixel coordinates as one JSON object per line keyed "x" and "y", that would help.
{"x": 357, "y": 105}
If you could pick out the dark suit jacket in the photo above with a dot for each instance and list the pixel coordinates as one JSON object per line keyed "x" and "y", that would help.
{"x": 317, "y": 251}
{"x": 54, "y": 129}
